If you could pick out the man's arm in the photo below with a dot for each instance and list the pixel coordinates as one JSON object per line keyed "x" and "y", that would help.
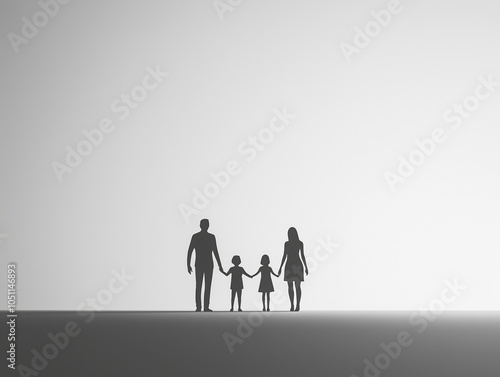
{"x": 216, "y": 253}
{"x": 190, "y": 251}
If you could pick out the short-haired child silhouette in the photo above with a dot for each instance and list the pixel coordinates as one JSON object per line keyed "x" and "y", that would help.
{"x": 237, "y": 273}
{"x": 266, "y": 283}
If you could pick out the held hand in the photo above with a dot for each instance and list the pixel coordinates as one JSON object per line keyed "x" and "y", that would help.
{"x": 190, "y": 269}
{"x": 279, "y": 272}
{"x": 221, "y": 269}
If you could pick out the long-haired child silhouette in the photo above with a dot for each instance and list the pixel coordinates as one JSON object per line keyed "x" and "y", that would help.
{"x": 266, "y": 283}
{"x": 237, "y": 273}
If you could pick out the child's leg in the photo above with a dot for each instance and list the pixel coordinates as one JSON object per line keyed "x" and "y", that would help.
{"x": 264, "y": 301}
{"x": 268, "y": 299}
{"x": 233, "y": 293}
{"x": 239, "y": 298}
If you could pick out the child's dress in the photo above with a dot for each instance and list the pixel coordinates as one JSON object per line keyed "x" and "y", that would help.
{"x": 266, "y": 283}
{"x": 236, "y": 277}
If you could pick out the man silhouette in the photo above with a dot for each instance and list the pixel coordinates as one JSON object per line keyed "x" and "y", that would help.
{"x": 204, "y": 244}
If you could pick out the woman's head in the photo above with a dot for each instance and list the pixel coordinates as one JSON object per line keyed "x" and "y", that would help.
{"x": 236, "y": 260}
{"x": 293, "y": 235}
{"x": 265, "y": 260}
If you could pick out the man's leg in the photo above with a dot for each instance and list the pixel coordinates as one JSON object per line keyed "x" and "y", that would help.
{"x": 208, "y": 285}
{"x": 199, "y": 279}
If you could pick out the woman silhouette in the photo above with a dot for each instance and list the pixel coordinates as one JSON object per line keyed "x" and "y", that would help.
{"x": 294, "y": 269}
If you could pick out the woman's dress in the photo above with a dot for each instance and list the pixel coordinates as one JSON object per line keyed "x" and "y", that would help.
{"x": 266, "y": 283}
{"x": 294, "y": 270}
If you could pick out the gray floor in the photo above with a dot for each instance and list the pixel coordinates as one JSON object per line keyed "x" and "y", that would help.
{"x": 250, "y": 344}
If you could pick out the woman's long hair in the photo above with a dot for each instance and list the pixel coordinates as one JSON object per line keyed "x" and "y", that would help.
{"x": 293, "y": 236}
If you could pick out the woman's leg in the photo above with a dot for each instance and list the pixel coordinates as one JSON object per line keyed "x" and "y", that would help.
{"x": 299, "y": 295}
{"x": 263, "y": 301}
{"x": 290, "y": 294}
{"x": 233, "y": 293}
{"x": 268, "y": 299}
{"x": 239, "y": 299}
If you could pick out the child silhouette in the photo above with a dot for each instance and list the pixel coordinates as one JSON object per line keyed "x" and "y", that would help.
{"x": 237, "y": 273}
{"x": 266, "y": 283}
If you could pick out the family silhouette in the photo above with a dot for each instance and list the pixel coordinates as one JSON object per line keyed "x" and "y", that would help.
{"x": 205, "y": 247}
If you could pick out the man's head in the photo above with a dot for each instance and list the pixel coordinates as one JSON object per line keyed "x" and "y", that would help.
{"x": 204, "y": 224}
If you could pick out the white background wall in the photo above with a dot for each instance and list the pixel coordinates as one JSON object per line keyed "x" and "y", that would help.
{"x": 323, "y": 174}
